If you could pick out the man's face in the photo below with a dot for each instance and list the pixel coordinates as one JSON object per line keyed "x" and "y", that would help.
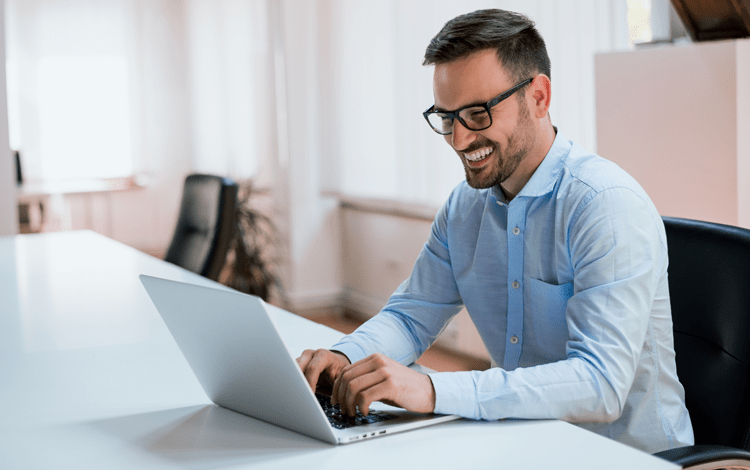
{"x": 493, "y": 155}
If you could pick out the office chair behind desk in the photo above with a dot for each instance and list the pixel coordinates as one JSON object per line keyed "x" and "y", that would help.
{"x": 709, "y": 289}
{"x": 205, "y": 225}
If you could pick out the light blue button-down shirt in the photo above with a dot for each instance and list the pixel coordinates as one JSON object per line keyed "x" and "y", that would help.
{"x": 567, "y": 286}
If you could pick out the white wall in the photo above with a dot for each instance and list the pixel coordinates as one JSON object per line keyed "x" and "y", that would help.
{"x": 676, "y": 118}
{"x": 8, "y": 204}
{"x": 309, "y": 220}
{"x": 146, "y": 219}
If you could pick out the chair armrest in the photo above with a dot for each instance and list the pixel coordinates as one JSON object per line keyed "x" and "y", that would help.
{"x": 707, "y": 457}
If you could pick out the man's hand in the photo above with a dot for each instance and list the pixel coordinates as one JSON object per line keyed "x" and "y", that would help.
{"x": 379, "y": 378}
{"x": 322, "y": 366}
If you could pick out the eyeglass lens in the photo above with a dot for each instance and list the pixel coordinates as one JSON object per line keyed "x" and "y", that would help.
{"x": 476, "y": 118}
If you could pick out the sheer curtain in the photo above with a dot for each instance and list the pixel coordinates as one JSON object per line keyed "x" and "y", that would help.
{"x": 230, "y": 74}
{"x": 71, "y": 88}
{"x": 384, "y": 148}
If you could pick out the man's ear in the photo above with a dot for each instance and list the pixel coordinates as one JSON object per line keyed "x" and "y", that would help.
{"x": 541, "y": 93}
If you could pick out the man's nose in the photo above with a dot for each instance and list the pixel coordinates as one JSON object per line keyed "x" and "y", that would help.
{"x": 461, "y": 136}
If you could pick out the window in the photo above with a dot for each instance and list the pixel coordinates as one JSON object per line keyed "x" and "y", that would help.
{"x": 639, "y": 21}
{"x": 69, "y": 88}
{"x": 84, "y": 118}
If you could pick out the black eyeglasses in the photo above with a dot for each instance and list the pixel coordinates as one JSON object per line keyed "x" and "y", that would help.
{"x": 475, "y": 118}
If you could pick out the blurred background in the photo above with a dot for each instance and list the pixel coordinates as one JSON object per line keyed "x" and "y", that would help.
{"x": 112, "y": 103}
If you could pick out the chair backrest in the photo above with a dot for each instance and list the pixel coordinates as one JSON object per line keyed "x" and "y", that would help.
{"x": 205, "y": 225}
{"x": 709, "y": 288}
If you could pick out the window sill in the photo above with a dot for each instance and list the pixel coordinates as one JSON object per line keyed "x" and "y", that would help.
{"x": 42, "y": 206}
{"x": 390, "y": 207}
{"x": 82, "y": 186}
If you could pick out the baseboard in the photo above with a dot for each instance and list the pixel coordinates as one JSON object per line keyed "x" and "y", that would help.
{"x": 357, "y": 306}
{"x": 313, "y": 304}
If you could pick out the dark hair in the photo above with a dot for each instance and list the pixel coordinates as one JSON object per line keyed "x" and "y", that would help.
{"x": 520, "y": 48}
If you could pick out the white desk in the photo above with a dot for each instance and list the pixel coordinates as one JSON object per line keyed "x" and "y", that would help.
{"x": 91, "y": 378}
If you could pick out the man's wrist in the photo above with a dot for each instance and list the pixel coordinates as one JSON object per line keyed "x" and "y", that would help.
{"x": 335, "y": 351}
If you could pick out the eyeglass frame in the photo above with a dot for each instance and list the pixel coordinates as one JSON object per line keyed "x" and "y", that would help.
{"x": 487, "y": 107}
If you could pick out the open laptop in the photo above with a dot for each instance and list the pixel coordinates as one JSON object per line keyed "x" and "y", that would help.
{"x": 235, "y": 351}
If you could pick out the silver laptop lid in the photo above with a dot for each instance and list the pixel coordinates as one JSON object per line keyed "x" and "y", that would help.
{"x": 237, "y": 355}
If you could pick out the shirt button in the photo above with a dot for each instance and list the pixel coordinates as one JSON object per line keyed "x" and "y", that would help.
{"x": 516, "y": 231}
{"x": 514, "y": 339}
{"x": 515, "y": 284}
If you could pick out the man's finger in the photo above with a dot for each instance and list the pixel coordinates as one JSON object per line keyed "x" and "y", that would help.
{"x": 304, "y": 358}
{"x": 340, "y": 385}
{"x": 341, "y": 388}
{"x": 363, "y": 390}
{"x": 379, "y": 391}
{"x": 321, "y": 364}
{"x": 314, "y": 367}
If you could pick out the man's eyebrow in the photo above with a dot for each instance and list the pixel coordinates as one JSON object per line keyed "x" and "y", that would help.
{"x": 479, "y": 104}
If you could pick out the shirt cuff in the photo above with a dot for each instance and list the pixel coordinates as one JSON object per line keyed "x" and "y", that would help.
{"x": 455, "y": 394}
{"x": 351, "y": 350}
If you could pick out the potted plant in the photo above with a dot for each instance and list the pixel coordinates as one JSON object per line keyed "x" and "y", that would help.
{"x": 251, "y": 260}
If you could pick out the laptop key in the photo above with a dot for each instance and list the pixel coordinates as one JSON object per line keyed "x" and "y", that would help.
{"x": 342, "y": 421}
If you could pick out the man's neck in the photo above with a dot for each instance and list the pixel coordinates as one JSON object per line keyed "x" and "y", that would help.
{"x": 513, "y": 185}
{"x": 508, "y": 195}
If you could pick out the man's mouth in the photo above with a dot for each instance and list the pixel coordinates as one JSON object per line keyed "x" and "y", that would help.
{"x": 478, "y": 155}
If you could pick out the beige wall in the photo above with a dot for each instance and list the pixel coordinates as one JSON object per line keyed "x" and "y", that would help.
{"x": 676, "y": 118}
{"x": 379, "y": 253}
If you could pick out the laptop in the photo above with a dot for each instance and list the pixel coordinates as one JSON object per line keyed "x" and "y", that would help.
{"x": 231, "y": 344}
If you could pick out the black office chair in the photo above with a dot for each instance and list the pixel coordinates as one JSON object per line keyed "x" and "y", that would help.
{"x": 205, "y": 226}
{"x": 709, "y": 288}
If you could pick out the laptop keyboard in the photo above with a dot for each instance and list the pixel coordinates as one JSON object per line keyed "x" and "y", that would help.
{"x": 343, "y": 421}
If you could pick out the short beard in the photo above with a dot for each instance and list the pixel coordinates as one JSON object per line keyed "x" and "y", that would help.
{"x": 506, "y": 163}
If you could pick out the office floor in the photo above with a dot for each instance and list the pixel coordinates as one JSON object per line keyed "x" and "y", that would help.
{"x": 435, "y": 358}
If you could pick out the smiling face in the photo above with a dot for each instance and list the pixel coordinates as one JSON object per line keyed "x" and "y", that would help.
{"x": 506, "y": 153}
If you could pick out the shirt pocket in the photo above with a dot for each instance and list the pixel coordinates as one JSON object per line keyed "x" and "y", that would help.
{"x": 548, "y": 305}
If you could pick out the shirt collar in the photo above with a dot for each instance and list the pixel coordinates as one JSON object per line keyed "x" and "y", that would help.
{"x": 544, "y": 178}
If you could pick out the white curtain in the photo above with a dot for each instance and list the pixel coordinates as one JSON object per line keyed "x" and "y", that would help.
{"x": 229, "y": 60}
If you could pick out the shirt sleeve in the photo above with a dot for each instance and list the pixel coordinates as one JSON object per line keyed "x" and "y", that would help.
{"x": 618, "y": 256}
{"x": 417, "y": 312}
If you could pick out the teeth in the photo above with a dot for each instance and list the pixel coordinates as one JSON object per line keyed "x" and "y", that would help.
{"x": 478, "y": 155}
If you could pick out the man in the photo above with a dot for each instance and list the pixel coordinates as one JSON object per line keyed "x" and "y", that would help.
{"x": 558, "y": 255}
